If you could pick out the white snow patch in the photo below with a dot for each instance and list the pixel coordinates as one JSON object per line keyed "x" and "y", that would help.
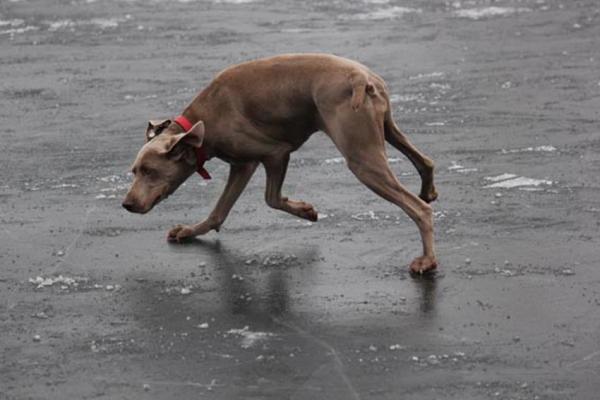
{"x": 369, "y": 215}
{"x": 340, "y": 160}
{"x": 541, "y": 149}
{"x": 488, "y": 12}
{"x": 12, "y": 22}
{"x": 14, "y": 31}
{"x": 407, "y": 98}
{"x": 183, "y": 290}
{"x": 434, "y": 74}
{"x": 102, "y": 196}
{"x": 111, "y": 178}
{"x": 65, "y": 281}
{"x": 114, "y": 188}
{"x": 456, "y": 167}
{"x": 60, "y": 24}
{"x": 249, "y": 338}
{"x": 501, "y": 177}
{"x": 441, "y": 86}
{"x": 383, "y": 13}
{"x": 65, "y": 186}
{"x": 105, "y": 22}
{"x": 519, "y": 182}
{"x": 102, "y": 23}
{"x": 531, "y": 189}
{"x": 335, "y": 160}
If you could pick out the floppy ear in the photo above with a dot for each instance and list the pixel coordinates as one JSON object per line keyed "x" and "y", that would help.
{"x": 194, "y": 137}
{"x": 155, "y": 128}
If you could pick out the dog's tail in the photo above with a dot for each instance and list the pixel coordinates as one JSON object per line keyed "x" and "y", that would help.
{"x": 360, "y": 87}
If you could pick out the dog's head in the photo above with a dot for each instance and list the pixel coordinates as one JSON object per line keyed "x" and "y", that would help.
{"x": 166, "y": 160}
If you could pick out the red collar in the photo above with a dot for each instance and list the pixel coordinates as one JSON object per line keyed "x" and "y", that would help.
{"x": 201, "y": 156}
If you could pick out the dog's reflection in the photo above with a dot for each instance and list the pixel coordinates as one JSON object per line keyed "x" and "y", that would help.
{"x": 256, "y": 284}
{"x": 427, "y": 288}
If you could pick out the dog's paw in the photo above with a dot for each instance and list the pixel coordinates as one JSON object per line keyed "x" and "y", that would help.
{"x": 309, "y": 213}
{"x": 303, "y": 210}
{"x": 179, "y": 233}
{"x": 422, "y": 265}
{"x": 429, "y": 197}
{"x": 312, "y": 215}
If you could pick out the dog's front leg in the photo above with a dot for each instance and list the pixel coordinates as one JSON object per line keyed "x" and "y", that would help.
{"x": 239, "y": 175}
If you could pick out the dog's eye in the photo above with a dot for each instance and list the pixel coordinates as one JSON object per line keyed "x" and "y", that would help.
{"x": 145, "y": 171}
{"x": 148, "y": 172}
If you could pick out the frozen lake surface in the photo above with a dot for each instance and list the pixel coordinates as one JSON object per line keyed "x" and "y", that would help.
{"x": 94, "y": 303}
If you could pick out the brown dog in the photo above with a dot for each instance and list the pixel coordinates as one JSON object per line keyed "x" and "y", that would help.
{"x": 260, "y": 112}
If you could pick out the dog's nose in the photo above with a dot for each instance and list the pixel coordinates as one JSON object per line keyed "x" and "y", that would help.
{"x": 128, "y": 206}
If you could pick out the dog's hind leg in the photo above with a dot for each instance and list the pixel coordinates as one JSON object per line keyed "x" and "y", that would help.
{"x": 360, "y": 138}
{"x": 239, "y": 175}
{"x": 422, "y": 163}
{"x": 276, "y": 167}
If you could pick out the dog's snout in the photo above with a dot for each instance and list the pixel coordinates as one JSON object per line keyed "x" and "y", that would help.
{"x": 129, "y": 206}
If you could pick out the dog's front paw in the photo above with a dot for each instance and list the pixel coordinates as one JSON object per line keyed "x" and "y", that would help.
{"x": 179, "y": 233}
{"x": 423, "y": 264}
{"x": 308, "y": 212}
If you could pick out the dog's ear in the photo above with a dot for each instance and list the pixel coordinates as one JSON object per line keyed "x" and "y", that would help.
{"x": 156, "y": 127}
{"x": 194, "y": 137}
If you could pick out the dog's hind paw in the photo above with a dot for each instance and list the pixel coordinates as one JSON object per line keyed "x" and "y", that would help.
{"x": 429, "y": 197}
